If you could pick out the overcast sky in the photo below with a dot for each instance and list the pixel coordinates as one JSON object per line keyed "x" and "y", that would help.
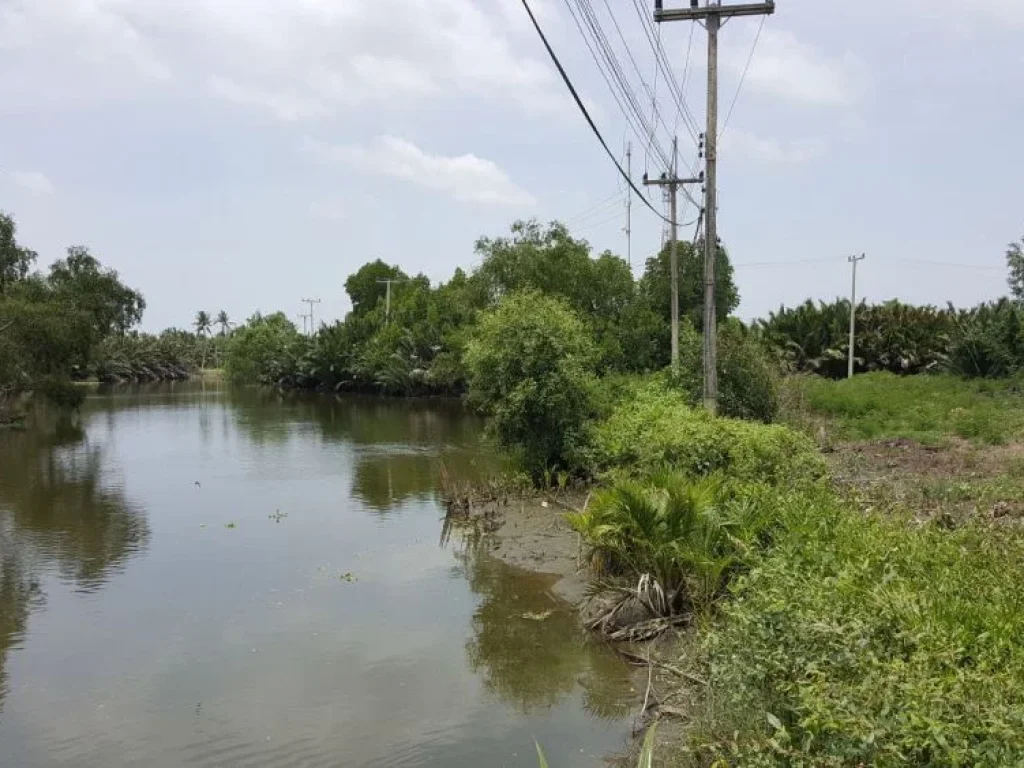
{"x": 245, "y": 154}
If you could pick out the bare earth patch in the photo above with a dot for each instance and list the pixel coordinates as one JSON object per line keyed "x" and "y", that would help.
{"x": 948, "y": 483}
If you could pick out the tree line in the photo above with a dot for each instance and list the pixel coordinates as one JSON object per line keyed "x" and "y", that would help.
{"x": 416, "y": 342}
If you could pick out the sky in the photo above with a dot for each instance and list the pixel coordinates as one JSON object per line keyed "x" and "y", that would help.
{"x": 246, "y": 154}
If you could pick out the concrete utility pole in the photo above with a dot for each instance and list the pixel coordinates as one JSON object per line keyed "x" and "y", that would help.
{"x": 303, "y": 315}
{"x": 672, "y": 182}
{"x": 387, "y": 299}
{"x": 712, "y": 14}
{"x": 629, "y": 207}
{"x": 853, "y": 310}
{"x": 312, "y": 325}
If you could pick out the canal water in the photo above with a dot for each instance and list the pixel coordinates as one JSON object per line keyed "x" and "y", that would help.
{"x": 196, "y": 575}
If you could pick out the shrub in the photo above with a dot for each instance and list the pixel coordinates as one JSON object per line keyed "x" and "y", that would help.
{"x": 530, "y": 364}
{"x": 688, "y": 535}
{"x": 748, "y": 377}
{"x": 860, "y": 640}
{"x": 266, "y": 350}
{"x": 652, "y": 427}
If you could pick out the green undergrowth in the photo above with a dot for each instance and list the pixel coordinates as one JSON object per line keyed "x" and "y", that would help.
{"x": 927, "y": 408}
{"x": 860, "y": 639}
{"x": 650, "y": 427}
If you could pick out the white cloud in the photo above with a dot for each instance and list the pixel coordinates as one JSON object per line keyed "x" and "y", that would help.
{"x": 464, "y": 177}
{"x": 771, "y": 151}
{"x": 784, "y": 66}
{"x": 34, "y": 183}
{"x": 75, "y": 39}
{"x": 298, "y": 59}
{"x": 283, "y": 105}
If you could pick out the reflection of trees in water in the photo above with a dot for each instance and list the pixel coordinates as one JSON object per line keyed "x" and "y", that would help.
{"x": 386, "y": 478}
{"x": 57, "y": 511}
{"x": 19, "y": 595}
{"x": 269, "y": 416}
{"x": 385, "y": 481}
{"x": 531, "y": 663}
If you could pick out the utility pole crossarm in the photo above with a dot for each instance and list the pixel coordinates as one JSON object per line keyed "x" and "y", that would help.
{"x": 696, "y": 14}
{"x": 667, "y": 182}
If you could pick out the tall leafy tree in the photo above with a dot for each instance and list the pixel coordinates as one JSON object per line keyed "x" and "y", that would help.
{"x": 1015, "y": 263}
{"x": 655, "y": 284}
{"x": 15, "y": 261}
{"x": 366, "y": 288}
{"x": 80, "y": 280}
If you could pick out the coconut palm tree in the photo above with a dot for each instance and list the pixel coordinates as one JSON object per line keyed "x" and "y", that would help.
{"x": 202, "y": 324}
{"x": 223, "y": 321}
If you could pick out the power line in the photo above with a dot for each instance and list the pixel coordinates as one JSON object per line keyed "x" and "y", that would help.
{"x": 598, "y": 206}
{"x": 666, "y": 70}
{"x": 652, "y": 94}
{"x": 980, "y": 267}
{"x": 583, "y": 109}
{"x": 743, "y": 77}
{"x": 611, "y": 70}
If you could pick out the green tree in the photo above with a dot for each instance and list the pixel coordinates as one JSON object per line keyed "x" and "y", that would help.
{"x": 656, "y": 286}
{"x": 15, "y": 261}
{"x": 1015, "y": 263}
{"x": 365, "y": 288}
{"x": 224, "y": 322}
{"x": 266, "y": 350}
{"x": 82, "y": 282}
{"x": 531, "y": 370}
{"x": 548, "y": 259}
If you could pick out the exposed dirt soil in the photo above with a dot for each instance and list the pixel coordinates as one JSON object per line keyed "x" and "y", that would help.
{"x": 533, "y": 534}
{"x": 953, "y": 482}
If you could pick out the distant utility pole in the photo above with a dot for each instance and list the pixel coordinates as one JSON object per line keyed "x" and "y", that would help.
{"x": 712, "y": 14}
{"x": 629, "y": 207}
{"x": 303, "y": 315}
{"x": 672, "y": 182}
{"x": 312, "y": 325}
{"x": 853, "y": 310}
{"x": 387, "y": 300}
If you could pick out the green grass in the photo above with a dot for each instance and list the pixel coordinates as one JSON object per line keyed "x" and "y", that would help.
{"x": 926, "y": 408}
{"x": 864, "y": 640}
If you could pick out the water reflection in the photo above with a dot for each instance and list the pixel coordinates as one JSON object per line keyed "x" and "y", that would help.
{"x": 250, "y": 617}
{"x": 529, "y": 648}
{"x": 61, "y": 504}
{"x": 57, "y": 511}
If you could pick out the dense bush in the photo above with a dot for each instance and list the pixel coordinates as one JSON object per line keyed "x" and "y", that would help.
{"x": 985, "y": 341}
{"x": 652, "y": 427}
{"x": 531, "y": 370}
{"x": 688, "y": 535}
{"x": 170, "y": 355}
{"x": 266, "y": 350}
{"x": 860, "y": 640}
{"x": 891, "y": 337}
{"x": 748, "y": 378}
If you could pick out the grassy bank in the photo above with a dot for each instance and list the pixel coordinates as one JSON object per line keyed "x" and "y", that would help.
{"x": 930, "y": 408}
{"x": 847, "y": 615}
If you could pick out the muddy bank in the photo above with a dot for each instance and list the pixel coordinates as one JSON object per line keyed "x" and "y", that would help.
{"x": 533, "y": 534}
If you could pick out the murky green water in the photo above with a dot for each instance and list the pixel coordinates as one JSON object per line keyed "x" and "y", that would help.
{"x": 200, "y": 576}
